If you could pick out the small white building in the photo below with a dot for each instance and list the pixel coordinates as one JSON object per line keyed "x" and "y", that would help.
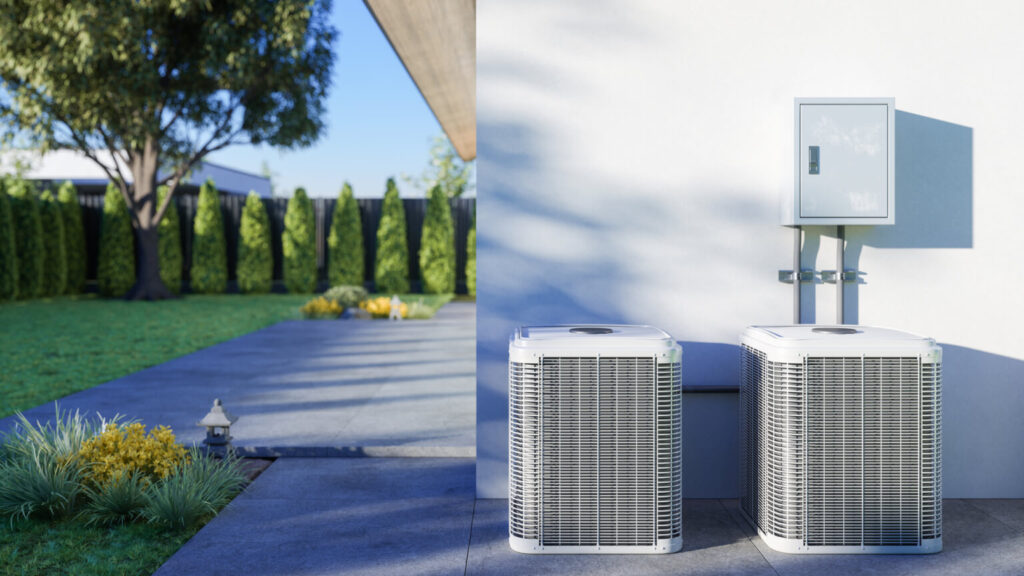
{"x": 60, "y": 165}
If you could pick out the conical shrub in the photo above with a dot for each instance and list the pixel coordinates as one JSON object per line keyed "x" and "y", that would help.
{"x": 55, "y": 263}
{"x": 8, "y": 250}
{"x": 391, "y": 272}
{"x": 116, "y": 269}
{"x": 28, "y": 238}
{"x": 471, "y": 260}
{"x": 437, "y": 245}
{"x": 209, "y": 249}
{"x": 255, "y": 259}
{"x": 346, "y": 264}
{"x": 298, "y": 244}
{"x": 169, "y": 237}
{"x": 74, "y": 237}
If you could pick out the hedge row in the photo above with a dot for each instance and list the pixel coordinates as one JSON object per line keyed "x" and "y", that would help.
{"x": 34, "y": 263}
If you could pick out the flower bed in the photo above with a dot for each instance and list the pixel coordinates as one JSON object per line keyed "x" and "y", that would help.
{"x": 113, "y": 482}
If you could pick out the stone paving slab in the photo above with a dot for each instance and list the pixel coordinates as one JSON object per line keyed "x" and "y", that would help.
{"x": 974, "y": 542}
{"x": 341, "y": 386}
{"x": 368, "y": 516}
{"x": 712, "y": 544}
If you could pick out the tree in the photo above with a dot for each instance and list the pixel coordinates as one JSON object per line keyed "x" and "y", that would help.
{"x": 149, "y": 89}
{"x": 271, "y": 176}
{"x": 74, "y": 237}
{"x": 437, "y": 246}
{"x": 471, "y": 260}
{"x": 346, "y": 265}
{"x": 298, "y": 244}
{"x": 446, "y": 170}
{"x": 209, "y": 273}
{"x": 8, "y": 250}
{"x": 28, "y": 237}
{"x": 255, "y": 259}
{"x": 170, "y": 244}
{"x": 55, "y": 262}
{"x": 391, "y": 273}
{"x": 116, "y": 269}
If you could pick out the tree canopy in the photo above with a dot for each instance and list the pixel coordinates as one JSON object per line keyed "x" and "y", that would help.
{"x": 446, "y": 170}
{"x": 148, "y": 88}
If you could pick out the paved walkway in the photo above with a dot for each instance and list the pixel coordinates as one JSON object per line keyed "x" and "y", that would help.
{"x": 316, "y": 388}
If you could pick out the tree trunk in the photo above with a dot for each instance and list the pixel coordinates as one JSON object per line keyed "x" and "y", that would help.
{"x": 148, "y": 285}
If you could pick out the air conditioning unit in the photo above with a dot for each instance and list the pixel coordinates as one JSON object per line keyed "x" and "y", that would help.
{"x": 841, "y": 439}
{"x": 595, "y": 461}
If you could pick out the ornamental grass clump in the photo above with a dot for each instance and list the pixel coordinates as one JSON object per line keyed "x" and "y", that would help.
{"x": 321, "y": 308}
{"x": 39, "y": 485}
{"x": 347, "y": 296}
{"x": 194, "y": 491}
{"x": 119, "y": 500}
{"x": 40, "y": 472}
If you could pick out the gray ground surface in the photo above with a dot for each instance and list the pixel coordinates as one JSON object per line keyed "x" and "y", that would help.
{"x": 316, "y": 388}
{"x": 407, "y": 516}
{"x": 379, "y": 389}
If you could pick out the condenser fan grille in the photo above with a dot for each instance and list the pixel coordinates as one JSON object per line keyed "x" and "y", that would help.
{"x": 842, "y": 451}
{"x": 595, "y": 455}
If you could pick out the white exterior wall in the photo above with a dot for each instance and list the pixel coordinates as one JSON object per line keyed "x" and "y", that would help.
{"x": 631, "y": 157}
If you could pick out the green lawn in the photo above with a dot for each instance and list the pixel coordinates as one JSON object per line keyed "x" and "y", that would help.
{"x": 37, "y": 547}
{"x": 52, "y": 347}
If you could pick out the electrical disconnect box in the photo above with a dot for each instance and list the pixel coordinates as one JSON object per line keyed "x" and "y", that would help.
{"x": 845, "y": 169}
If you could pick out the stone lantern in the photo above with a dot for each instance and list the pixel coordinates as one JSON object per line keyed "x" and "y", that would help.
{"x": 218, "y": 429}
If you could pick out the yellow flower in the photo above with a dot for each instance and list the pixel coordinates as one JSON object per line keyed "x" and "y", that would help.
{"x": 126, "y": 449}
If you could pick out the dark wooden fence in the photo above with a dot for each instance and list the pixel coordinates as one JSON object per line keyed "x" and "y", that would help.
{"x": 463, "y": 210}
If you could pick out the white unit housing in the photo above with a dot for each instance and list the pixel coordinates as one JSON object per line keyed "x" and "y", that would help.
{"x": 841, "y": 439}
{"x": 845, "y": 162}
{"x": 595, "y": 458}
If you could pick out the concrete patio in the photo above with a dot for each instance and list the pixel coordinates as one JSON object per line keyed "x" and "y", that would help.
{"x": 418, "y": 516}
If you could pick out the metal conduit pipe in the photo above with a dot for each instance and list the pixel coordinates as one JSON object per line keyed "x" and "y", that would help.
{"x": 840, "y": 282}
{"x": 796, "y": 273}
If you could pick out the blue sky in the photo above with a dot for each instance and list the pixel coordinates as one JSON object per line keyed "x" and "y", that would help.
{"x": 377, "y": 126}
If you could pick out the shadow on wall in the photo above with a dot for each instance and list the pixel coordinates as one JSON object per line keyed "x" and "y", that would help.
{"x": 982, "y": 403}
{"x": 934, "y": 204}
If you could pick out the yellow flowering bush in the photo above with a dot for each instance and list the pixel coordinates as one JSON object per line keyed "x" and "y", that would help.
{"x": 322, "y": 308}
{"x": 121, "y": 450}
{"x": 381, "y": 307}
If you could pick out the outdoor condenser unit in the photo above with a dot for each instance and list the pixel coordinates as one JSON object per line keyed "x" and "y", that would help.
{"x": 841, "y": 439}
{"x": 595, "y": 457}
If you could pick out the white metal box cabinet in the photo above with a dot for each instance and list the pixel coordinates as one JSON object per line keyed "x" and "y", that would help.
{"x": 845, "y": 162}
{"x": 595, "y": 440}
{"x": 841, "y": 436}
